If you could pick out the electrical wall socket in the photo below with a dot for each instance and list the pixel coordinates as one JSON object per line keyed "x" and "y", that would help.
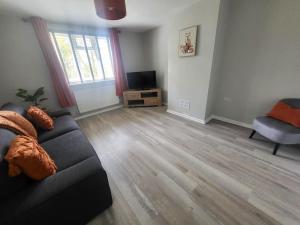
{"x": 186, "y": 104}
{"x": 180, "y": 103}
{"x": 183, "y": 103}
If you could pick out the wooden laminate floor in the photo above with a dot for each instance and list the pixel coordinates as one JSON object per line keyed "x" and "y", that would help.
{"x": 166, "y": 170}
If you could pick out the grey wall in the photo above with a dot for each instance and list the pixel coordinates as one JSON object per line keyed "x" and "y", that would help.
{"x": 22, "y": 64}
{"x": 155, "y": 44}
{"x": 132, "y": 51}
{"x": 248, "y": 58}
{"x": 256, "y": 57}
{"x": 189, "y": 77}
{"x": 261, "y": 59}
{"x": 218, "y": 56}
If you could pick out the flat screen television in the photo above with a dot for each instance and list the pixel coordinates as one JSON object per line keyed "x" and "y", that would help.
{"x": 141, "y": 80}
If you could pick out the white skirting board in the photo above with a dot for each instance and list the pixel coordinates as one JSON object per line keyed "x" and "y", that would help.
{"x": 227, "y": 120}
{"x": 186, "y": 116}
{"x": 224, "y": 119}
{"x": 99, "y": 112}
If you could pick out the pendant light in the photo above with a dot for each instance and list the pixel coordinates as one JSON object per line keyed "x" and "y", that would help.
{"x": 110, "y": 9}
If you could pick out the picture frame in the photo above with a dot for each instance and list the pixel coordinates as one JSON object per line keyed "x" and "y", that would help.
{"x": 188, "y": 41}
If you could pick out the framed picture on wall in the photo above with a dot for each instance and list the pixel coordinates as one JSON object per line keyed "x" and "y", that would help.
{"x": 187, "y": 41}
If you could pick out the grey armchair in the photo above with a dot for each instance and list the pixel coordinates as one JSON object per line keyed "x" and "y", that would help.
{"x": 278, "y": 131}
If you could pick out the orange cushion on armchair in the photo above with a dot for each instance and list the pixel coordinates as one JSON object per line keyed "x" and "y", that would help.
{"x": 286, "y": 113}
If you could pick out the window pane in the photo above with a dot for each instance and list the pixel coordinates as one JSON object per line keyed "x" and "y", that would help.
{"x": 106, "y": 58}
{"x": 66, "y": 52}
{"x": 79, "y": 43}
{"x": 81, "y": 56}
{"x": 55, "y": 48}
{"x": 94, "y": 57}
{"x": 89, "y": 42}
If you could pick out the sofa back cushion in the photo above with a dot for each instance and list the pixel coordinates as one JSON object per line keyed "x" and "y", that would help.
{"x": 15, "y": 108}
{"x": 9, "y": 185}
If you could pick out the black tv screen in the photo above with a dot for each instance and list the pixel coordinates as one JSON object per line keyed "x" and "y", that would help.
{"x": 141, "y": 80}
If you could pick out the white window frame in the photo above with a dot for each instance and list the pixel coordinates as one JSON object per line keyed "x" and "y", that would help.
{"x": 69, "y": 34}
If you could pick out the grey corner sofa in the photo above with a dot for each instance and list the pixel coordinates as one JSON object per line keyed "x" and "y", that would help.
{"x": 76, "y": 193}
{"x": 277, "y": 131}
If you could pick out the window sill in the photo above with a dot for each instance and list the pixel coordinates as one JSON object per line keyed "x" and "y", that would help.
{"x": 101, "y": 83}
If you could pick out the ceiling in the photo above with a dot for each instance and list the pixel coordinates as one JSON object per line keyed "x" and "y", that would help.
{"x": 141, "y": 14}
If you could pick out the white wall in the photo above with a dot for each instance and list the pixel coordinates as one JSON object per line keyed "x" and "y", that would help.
{"x": 155, "y": 44}
{"x": 189, "y": 77}
{"x": 22, "y": 64}
{"x": 94, "y": 96}
{"x": 261, "y": 60}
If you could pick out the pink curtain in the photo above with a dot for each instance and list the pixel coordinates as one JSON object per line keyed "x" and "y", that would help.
{"x": 117, "y": 62}
{"x": 63, "y": 91}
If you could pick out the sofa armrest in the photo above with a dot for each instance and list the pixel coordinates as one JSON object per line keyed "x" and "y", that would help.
{"x": 72, "y": 196}
{"x": 59, "y": 113}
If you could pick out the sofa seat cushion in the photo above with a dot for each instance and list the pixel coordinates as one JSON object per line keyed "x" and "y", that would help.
{"x": 78, "y": 190}
{"x": 62, "y": 125}
{"x": 276, "y": 130}
{"x": 69, "y": 149}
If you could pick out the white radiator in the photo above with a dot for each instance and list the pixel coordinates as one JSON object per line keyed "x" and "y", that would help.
{"x": 93, "y": 96}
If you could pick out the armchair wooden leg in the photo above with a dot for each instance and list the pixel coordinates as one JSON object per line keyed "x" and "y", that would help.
{"x": 276, "y": 147}
{"x": 252, "y": 134}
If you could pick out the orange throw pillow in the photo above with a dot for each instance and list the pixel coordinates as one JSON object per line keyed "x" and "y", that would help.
{"x": 26, "y": 156}
{"x": 40, "y": 118}
{"x": 24, "y": 126}
{"x": 286, "y": 113}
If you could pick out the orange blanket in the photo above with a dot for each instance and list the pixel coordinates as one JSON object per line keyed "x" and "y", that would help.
{"x": 17, "y": 124}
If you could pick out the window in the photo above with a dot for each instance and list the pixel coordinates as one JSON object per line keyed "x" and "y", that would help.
{"x": 84, "y": 58}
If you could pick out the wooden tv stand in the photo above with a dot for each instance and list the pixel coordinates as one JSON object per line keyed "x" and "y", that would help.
{"x": 134, "y": 98}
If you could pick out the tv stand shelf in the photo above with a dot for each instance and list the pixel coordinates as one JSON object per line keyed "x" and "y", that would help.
{"x": 135, "y": 98}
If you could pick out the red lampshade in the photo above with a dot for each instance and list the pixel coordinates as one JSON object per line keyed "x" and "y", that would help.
{"x": 110, "y": 9}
